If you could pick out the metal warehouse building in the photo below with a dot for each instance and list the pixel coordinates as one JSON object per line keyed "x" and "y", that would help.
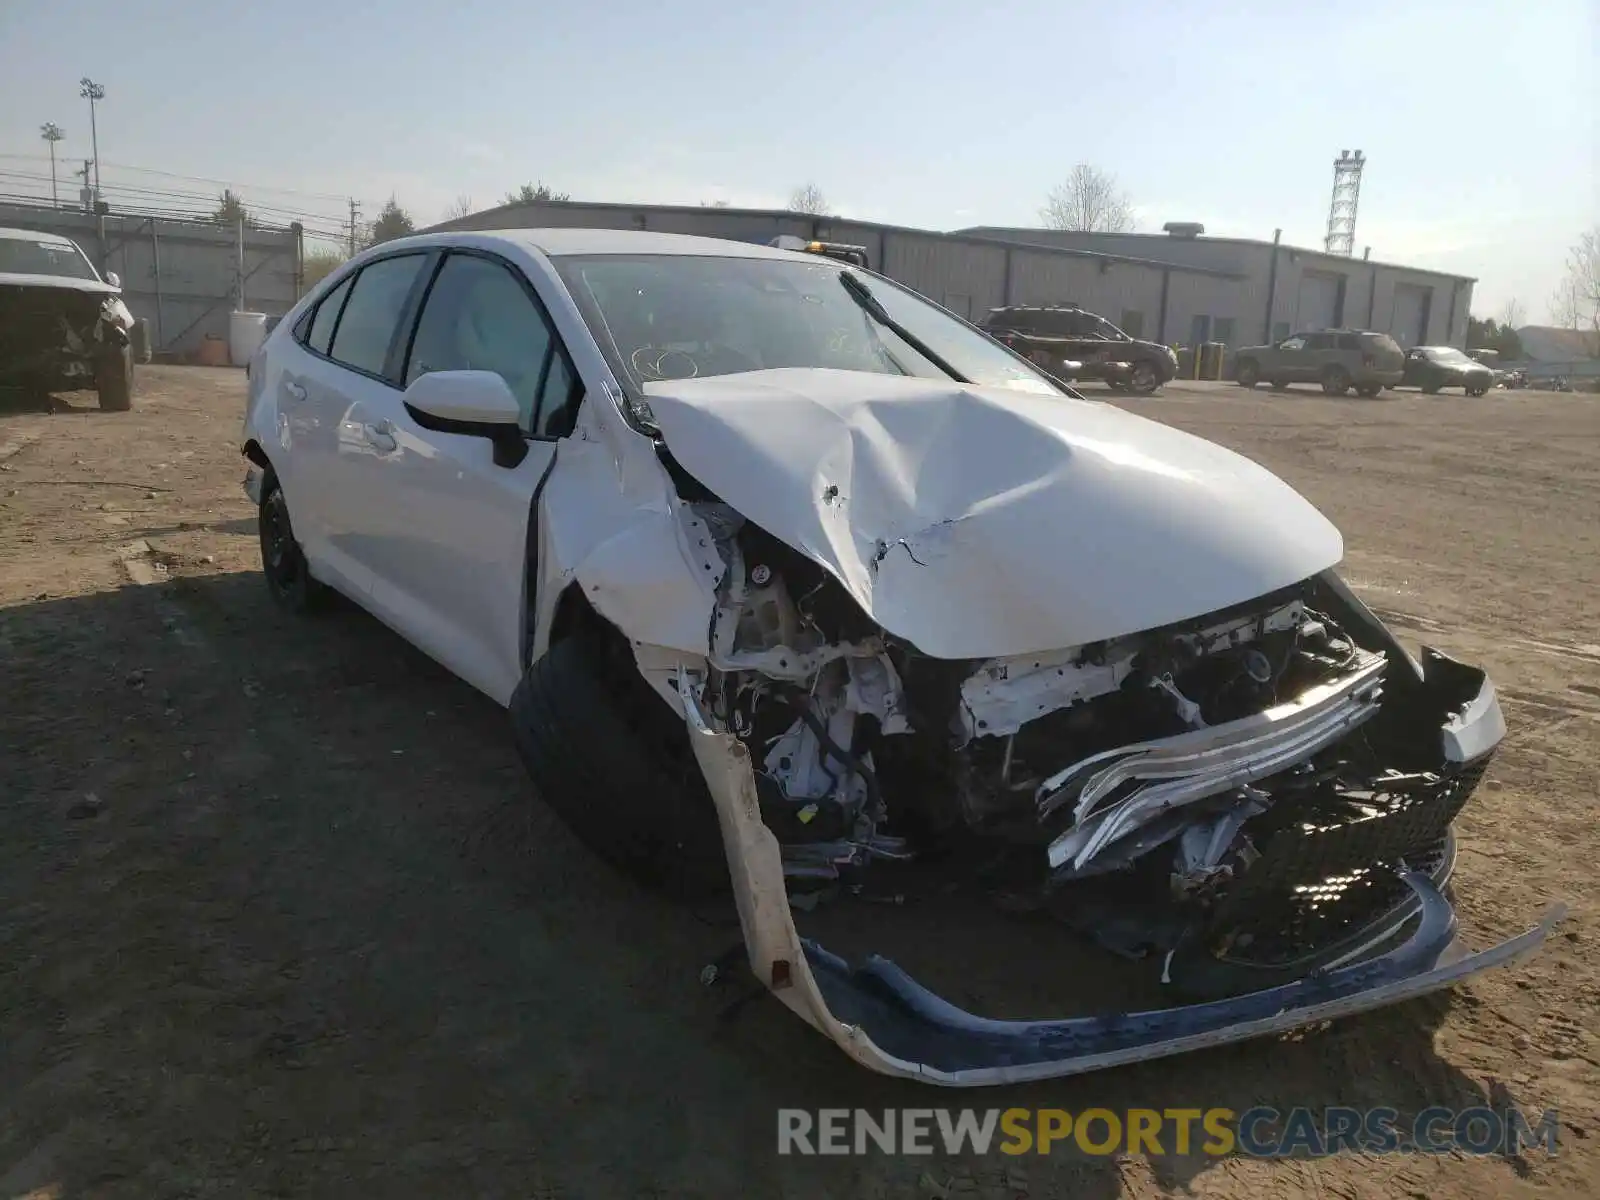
{"x": 1179, "y": 288}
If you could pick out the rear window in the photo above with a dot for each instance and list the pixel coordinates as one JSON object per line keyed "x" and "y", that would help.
{"x": 1380, "y": 341}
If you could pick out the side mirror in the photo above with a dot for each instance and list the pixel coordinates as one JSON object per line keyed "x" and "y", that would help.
{"x": 473, "y": 403}
{"x": 114, "y": 279}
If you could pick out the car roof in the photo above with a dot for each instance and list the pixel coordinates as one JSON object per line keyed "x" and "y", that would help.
{"x": 35, "y": 235}
{"x": 558, "y": 243}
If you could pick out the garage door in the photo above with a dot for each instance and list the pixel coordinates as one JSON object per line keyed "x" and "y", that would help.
{"x": 1318, "y": 306}
{"x": 1409, "y": 326}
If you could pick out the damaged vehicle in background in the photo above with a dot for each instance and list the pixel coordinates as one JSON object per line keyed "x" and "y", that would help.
{"x": 62, "y": 327}
{"x": 789, "y": 579}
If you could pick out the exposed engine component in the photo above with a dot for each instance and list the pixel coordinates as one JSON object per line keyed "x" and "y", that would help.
{"x": 1082, "y": 761}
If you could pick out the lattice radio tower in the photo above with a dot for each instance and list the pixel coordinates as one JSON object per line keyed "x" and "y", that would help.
{"x": 1342, "y": 211}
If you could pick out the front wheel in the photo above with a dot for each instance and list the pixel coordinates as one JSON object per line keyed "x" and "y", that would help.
{"x": 282, "y": 563}
{"x": 1249, "y": 373}
{"x": 614, "y": 762}
{"x": 113, "y": 379}
{"x": 1335, "y": 381}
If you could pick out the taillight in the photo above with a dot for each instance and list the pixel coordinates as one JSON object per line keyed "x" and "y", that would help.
{"x": 1368, "y": 361}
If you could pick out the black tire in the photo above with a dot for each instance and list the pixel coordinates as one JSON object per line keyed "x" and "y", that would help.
{"x": 1249, "y": 372}
{"x": 282, "y": 564}
{"x": 1144, "y": 378}
{"x": 1279, "y": 385}
{"x": 614, "y": 763}
{"x": 1370, "y": 390}
{"x": 113, "y": 380}
{"x": 1336, "y": 381}
{"x": 1431, "y": 389}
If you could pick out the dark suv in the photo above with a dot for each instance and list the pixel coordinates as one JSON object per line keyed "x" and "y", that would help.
{"x": 1052, "y": 337}
{"x": 1338, "y": 359}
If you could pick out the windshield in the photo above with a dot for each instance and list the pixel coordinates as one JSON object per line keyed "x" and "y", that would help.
{"x": 28, "y": 257}
{"x": 682, "y": 317}
{"x": 1454, "y": 357}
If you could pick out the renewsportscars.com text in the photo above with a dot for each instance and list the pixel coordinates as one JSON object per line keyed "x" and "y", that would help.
{"x": 1257, "y": 1132}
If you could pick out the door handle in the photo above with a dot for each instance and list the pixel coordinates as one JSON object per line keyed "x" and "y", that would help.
{"x": 296, "y": 392}
{"x": 381, "y": 436}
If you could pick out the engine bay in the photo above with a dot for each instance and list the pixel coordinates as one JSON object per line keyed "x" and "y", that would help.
{"x": 1155, "y": 768}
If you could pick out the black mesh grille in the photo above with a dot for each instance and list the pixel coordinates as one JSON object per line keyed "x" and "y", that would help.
{"x": 1316, "y": 885}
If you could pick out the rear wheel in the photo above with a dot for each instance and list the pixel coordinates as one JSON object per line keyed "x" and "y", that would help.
{"x": 282, "y": 563}
{"x": 1370, "y": 390}
{"x": 614, "y": 762}
{"x": 1249, "y": 372}
{"x": 1279, "y": 385}
{"x": 1431, "y": 389}
{"x": 113, "y": 379}
{"x": 1336, "y": 381}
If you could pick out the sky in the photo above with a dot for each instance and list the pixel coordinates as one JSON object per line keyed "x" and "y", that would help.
{"x": 1480, "y": 119}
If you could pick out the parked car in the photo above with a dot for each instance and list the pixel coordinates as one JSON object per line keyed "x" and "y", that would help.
{"x": 1432, "y": 368}
{"x": 62, "y": 327}
{"x": 1338, "y": 359}
{"x": 1072, "y": 343}
{"x": 787, "y": 577}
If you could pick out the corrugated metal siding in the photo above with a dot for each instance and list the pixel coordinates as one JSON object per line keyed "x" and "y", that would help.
{"x": 1038, "y": 277}
{"x": 971, "y": 277}
{"x": 940, "y": 269}
{"x": 1200, "y": 296}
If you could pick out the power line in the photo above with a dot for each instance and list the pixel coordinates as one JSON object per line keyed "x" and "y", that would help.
{"x": 197, "y": 178}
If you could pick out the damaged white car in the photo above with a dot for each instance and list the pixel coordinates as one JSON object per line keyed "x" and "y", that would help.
{"x": 789, "y": 577}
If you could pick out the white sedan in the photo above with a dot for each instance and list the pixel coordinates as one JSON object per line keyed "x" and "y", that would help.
{"x": 789, "y": 577}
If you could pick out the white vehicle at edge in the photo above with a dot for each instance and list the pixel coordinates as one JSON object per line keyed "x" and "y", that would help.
{"x": 788, "y": 576}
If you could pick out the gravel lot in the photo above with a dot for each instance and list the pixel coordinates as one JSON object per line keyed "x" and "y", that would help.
{"x": 279, "y": 915}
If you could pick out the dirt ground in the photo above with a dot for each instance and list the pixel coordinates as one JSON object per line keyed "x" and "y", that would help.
{"x": 279, "y": 915}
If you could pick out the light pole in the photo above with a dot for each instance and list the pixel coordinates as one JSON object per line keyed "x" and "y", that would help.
{"x": 51, "y": 132}
{"x": 92, "y": 91}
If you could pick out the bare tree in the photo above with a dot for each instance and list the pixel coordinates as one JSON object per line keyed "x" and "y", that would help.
{"x": 1513, "y": 314}
{"x": 1089, "y": 201}
{"x": 1576, "y": 304}
{"x": 809, "y": 199}
{"x": 461, "y": 207}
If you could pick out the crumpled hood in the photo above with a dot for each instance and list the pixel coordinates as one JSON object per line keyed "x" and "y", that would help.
{"x": 984, "y": 522}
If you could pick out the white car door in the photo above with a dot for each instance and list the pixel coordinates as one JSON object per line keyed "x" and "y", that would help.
{"x": 448, "y": 527}
{"x": 338, "y": 383}
{"x": 309, "y": 411}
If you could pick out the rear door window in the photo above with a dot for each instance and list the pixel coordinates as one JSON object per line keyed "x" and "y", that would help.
{"x": 327, "y": 317}
{"x": 1320, "y": 341}
{"x": 372, "y": 313}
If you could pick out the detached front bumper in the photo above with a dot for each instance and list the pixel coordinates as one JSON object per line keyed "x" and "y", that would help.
{"x": 888, "y": 1022}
